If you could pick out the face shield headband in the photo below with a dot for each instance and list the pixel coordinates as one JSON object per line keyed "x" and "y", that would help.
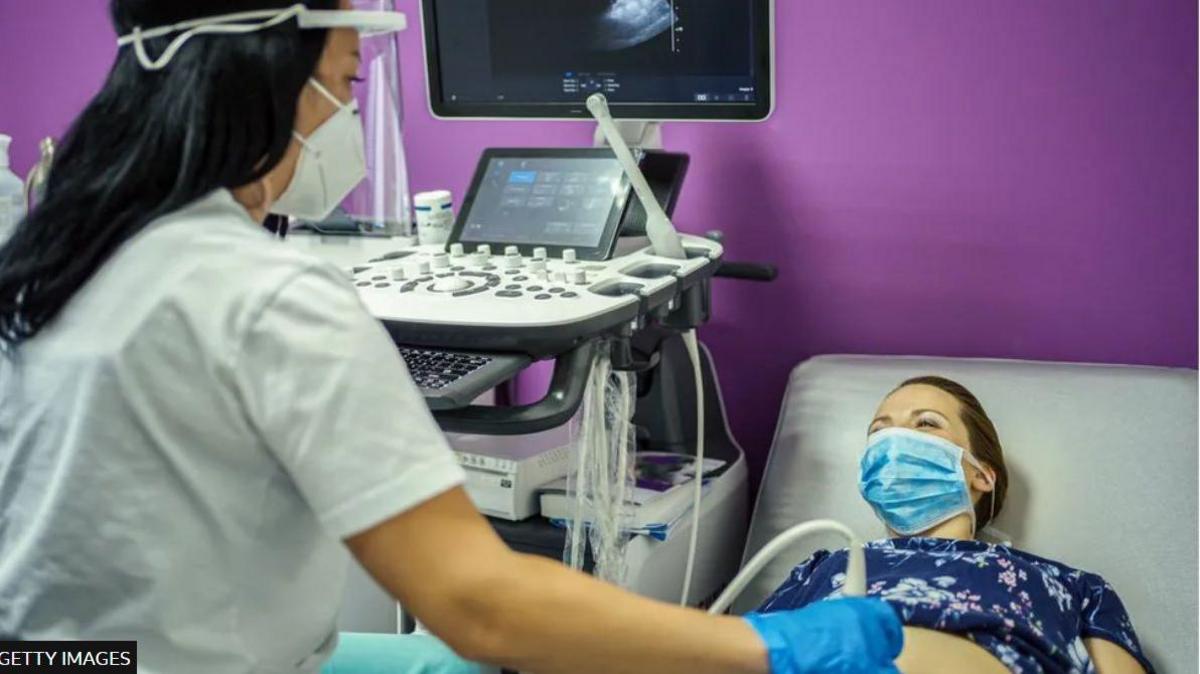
{"x": 368, "y": 23}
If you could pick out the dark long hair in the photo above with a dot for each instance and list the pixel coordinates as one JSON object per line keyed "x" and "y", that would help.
{"x": 220, "y": 115}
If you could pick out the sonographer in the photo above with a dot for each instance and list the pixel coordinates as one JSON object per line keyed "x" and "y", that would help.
{"x": 197, "y": 422}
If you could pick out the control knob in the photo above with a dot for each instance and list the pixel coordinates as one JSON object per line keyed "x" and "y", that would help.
{"x": 441, "y": 261}
{"x": 569, "y": 256}
{"x": 539, "y": 253}
{"x": 452, "y": 284}
{"x": 457, "y": 250}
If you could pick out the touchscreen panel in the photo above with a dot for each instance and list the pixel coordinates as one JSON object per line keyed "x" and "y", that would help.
{"x": 546, "y": 201}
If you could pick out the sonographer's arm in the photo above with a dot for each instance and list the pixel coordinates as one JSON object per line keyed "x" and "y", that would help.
{"x": 443, "y": 562}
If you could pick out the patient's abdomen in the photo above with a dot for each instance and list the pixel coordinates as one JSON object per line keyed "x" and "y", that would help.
{"x": 930, "y": 652}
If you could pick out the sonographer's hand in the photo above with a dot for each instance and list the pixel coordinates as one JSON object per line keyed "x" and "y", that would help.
{"x": 854, "y": 636}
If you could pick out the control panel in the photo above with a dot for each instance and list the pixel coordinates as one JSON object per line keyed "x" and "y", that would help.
{"x": 481, "y": 298}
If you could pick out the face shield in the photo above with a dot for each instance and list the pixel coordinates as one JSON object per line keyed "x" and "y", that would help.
{"x": 380, "y": 203}
{"x": 367, "y": 22}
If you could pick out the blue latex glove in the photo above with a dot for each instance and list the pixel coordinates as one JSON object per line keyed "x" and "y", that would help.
{"x": 854, "y": 635}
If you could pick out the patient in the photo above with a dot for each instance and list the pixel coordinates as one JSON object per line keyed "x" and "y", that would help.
{"x": 934, "y": 473}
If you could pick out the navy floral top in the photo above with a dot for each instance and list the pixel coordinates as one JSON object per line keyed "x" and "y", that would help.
{"x": 1032, "y": 614}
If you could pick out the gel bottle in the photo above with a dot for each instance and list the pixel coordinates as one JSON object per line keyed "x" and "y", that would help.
{"x": 12, "y": 193}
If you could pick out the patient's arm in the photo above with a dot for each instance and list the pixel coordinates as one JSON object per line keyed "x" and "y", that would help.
{"x": 931, "y": 652}
{"x": 1111, "y": 658}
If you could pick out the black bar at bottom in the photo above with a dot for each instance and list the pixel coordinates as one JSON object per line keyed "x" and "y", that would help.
{"x": 68, "y": 657}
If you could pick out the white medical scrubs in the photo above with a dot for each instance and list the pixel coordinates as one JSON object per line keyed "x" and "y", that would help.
{"x": 184, "y": 447}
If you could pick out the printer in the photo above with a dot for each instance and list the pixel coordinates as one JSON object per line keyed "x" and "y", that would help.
{"x": 505, "y": 472}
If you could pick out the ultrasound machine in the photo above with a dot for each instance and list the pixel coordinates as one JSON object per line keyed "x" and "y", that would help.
{"x": 559, "y": 252}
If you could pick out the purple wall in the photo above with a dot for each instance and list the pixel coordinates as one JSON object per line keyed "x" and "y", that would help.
{"x": 942, "y": 177}
{"x": 54, "y": 55}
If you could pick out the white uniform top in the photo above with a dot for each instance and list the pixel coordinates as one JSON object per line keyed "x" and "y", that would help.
{"x": 183, "y": 448}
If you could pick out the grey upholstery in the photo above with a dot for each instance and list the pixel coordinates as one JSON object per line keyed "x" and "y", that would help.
{"x": 1102, "y": 461}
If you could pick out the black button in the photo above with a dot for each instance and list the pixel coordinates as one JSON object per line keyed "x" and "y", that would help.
{"x": 457, "y": 268}
{"x": 425, "y": 279}
{"x": 358, "y": 270}
{"x": 535, "y": 289}
{"x": 489, "y": 267}
{"x": 570, "y": 295}
{"x": 379, "y": 278}
{"x": 512, "y": 272}
{"x": 363, "y": 284}
{"x": 515, "y": 286}
{"x": 508, "y": 293}
{"x": 408, "y": 287}
{"x": 521, "y": 278}
{"x": 448, "y": 275}
{"x": 558, "y": 290}
{"x": 383, "y": 285}
{"x": 543, "y": 297}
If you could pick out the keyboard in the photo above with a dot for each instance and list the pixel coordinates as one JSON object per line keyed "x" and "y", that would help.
{"x": 452, "y": 379}
{"x": 435, "y": 370}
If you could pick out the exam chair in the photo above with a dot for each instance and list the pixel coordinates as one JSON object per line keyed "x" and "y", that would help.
{"x": 1102, "y": 459}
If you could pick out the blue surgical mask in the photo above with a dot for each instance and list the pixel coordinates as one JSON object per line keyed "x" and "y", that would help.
{"x": 915, "y": 480}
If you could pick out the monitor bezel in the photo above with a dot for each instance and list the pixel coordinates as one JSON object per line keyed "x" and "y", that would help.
{"x": 648, "y": 112}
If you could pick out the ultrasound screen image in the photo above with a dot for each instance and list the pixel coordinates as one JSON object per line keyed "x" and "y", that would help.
{"x": 635, "y": 51}
{"x": 629, "y": 23}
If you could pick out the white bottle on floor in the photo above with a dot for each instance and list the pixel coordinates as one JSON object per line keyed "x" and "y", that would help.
{"x": 12, "y": 193}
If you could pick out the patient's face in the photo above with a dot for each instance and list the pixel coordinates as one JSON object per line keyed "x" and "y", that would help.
{"x": 931, "y": 410}
{"x": 923, "y": 408}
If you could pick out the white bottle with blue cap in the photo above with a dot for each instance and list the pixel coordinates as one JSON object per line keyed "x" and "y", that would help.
{"x": 12, "y": 193}
{"x": 435, "y": 216}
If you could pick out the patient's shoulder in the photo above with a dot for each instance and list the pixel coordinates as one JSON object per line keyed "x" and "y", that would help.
{"x": 972, "y": 551}
{"x": 1057, "y": 568}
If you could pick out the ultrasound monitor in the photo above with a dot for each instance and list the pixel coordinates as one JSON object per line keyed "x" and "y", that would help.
{"x": 653, "y": 59}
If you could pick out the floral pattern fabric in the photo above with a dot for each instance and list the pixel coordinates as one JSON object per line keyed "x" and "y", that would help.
{"x": 1031, "y": 613}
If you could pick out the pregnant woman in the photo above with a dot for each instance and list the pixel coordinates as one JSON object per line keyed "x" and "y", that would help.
{"x": 934, "y": 473}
